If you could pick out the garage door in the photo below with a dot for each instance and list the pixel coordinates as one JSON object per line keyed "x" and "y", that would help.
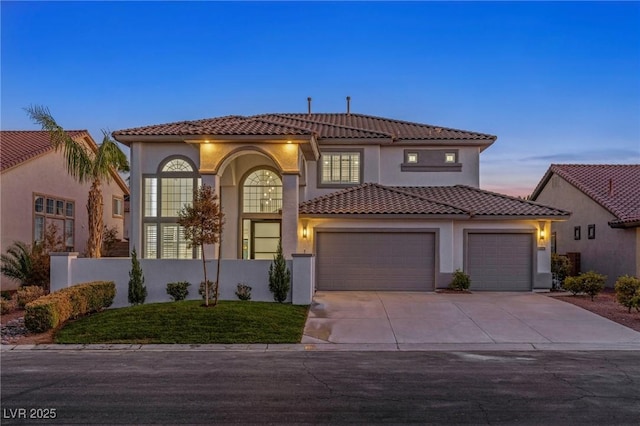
{"x": 375, "y": 261}
{"x": 500, "y": 262}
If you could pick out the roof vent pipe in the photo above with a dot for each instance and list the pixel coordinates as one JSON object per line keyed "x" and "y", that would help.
{"x": 348, "y": 105}
{"x": 309, "y": 105}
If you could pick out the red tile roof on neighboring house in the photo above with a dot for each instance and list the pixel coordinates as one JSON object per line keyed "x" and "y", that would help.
{"x": 18, "y": 146}
{"x": 616, "y": 187}
{"x": 459, "y": 200}
{"x": 325, "y": 127}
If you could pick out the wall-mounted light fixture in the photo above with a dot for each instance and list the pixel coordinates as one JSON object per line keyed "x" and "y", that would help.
{"x": 305, "y": 232}
{"x": 541, "y": 233}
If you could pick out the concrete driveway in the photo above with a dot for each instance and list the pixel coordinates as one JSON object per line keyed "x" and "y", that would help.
{"x": 421, "y": 320}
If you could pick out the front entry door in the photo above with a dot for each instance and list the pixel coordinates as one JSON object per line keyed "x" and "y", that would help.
{"x": 262, "y": 241}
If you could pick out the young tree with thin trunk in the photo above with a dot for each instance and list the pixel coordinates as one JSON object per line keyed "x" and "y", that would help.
{"x": 85, "y": 165}
{"x": 202, "y": 221}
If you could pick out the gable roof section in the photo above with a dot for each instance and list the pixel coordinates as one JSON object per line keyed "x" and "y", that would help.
{"x": 327, "y": 128}
{"x": 459, "y": 200}
{"x": 18, "y": 146}
{"x": 616, "y": 187}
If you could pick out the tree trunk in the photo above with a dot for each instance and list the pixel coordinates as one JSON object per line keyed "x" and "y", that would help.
{"x": 218, "y": 269}
{"x": 206, "y": 283}
{"x": 95, "y": 208}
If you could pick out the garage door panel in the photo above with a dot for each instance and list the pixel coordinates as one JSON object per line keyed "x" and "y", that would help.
{"x": 375, "y": 261}
{"x": 500, "y": 262}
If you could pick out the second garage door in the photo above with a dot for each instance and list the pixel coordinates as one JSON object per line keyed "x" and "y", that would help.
{"x": 390, "y": 261}
{"x": 500, "y": 262}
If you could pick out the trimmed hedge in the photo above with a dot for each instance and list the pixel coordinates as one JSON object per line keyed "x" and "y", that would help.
{"x": 50, "y": 311}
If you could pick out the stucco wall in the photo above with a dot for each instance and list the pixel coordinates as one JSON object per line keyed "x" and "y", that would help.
{"x": 613, "y": 252}
{"x": 66, "y": 270}
{"x": 47, "y": 175}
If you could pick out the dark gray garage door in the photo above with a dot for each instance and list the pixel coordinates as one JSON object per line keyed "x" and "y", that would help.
{"x": 375, "y": 261}
{"x": 500, "y": 262}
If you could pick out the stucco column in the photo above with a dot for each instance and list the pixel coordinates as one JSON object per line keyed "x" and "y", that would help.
{"x": 290, "y": 197}
{"x": 136, "y": 206}
{"x": 213, "y": 180}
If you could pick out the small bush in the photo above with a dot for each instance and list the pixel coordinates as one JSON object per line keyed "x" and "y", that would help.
{"x": 560, "y": 269}
{"x": 8, "y": 305}
{"x": 52, "y": 310}
{"x": 460, "y": 281}
{"x": 6, "y": 294}
{"x": 590, "y": 283}
{"x": 29, "y": 294}
{"x": 178, "y": 290}
{"x": 628, "y": 292}
{"x": 243, "y": 291}
{"x": 212, "y": 290}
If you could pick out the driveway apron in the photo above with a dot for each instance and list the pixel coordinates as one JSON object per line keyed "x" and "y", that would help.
{"x": 432, "y": 318}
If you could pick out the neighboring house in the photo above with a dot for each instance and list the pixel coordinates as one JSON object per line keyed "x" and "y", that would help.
{"x": 37, "y": 191}
{"x": 382, "y": 204}
{"x": 605, "y": 225}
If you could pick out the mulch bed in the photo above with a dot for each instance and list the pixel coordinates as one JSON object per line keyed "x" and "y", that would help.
{"x": 606, "y": 305}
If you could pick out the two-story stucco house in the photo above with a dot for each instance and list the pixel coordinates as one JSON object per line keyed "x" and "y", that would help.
{"x": 37, "y": 191}
{"x": 381, "y": 204}
{"x": 604, "y": 228}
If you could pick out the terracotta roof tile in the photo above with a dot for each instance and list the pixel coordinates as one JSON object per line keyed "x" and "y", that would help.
{"x": 18, "y": 146}
{"x": 371, "y": 198}
{"x": 325, "y": 126}
{"x": 616, "y": 187}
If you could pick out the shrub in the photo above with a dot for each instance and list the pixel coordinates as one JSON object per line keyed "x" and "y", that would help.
{"x": 178, "y": 290}
{"x": 29, "y": 294}
{"x": 109, "y": 239}
{"x": 52, "y": 310}
{"x": 211, "y": 290}
{"x": 137, "y": 290}
{"x": 628, "y": 292}
{"x": 460, "y": 281}
{"x": 8, "y": 305}
{"x": 243, "y": 292}
{"x": 6, "y": 294}
{"x": 279, "y": 276}
{"x": 590, "y": 283}
{"x": 560, "y": 269}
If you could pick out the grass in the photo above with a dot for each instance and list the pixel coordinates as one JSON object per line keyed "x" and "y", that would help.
{"x": 188, "y": 322}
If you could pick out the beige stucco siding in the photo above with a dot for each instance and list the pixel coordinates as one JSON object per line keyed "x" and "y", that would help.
{"x": 612, "y": 252}
{"x": 47, "y": 175}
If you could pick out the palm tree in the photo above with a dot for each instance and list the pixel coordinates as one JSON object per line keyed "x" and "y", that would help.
{"x": 85, "y": 164}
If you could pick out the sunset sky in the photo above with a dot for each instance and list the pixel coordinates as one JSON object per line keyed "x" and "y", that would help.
{"x": 557, "y": 82}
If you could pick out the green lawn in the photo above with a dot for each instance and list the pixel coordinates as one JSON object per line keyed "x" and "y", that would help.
{"x": 190, "y": 323}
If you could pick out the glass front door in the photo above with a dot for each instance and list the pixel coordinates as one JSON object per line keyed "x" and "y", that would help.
{"x": 260, "y": 238}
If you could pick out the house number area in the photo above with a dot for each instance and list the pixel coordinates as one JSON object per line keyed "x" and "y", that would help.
{"x": 29, "y": 413}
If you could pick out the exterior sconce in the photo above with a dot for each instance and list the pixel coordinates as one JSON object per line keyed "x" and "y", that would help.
{"x": 541, "y": 233}
{"x": 305, "y": 232}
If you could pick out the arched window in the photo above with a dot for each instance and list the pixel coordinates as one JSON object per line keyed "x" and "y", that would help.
{"x": 262, "y": 192}
{"x": 165, "y": 194}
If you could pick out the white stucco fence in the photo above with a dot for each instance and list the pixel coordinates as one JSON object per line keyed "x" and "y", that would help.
{"x": 68, "y": 269}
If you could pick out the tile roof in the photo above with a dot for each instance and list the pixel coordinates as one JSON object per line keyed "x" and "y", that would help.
{"x": 18, "y": 146}
{"x": 325, "y": 126}
{"x": 372, "y": 198}
{"x": 616, "y": 187}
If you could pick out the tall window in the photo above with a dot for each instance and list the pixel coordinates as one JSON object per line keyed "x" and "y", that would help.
{"x": 262, "y": 192}
{"x": 49, "y": 210}
{"x": 340, "y": 168}
{"x": 165, "y": 194}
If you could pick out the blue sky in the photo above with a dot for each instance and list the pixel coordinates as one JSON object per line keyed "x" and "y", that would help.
{"x": 556, "y": 82}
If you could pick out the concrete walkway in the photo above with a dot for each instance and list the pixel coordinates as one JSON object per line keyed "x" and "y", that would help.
{"x": 512, "y": 321}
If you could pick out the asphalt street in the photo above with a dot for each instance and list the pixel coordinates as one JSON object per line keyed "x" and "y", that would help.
{"x": 207, "y": 387}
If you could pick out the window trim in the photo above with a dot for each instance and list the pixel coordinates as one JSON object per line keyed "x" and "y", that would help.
{"x": 591, "y": 232}
{"x": 358, "y": 151}
{"x": 159, "y": 220}
{"x": 47, "y": 217}
{"x": 576, "y": 233}
{"x": 114, "y": 199}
